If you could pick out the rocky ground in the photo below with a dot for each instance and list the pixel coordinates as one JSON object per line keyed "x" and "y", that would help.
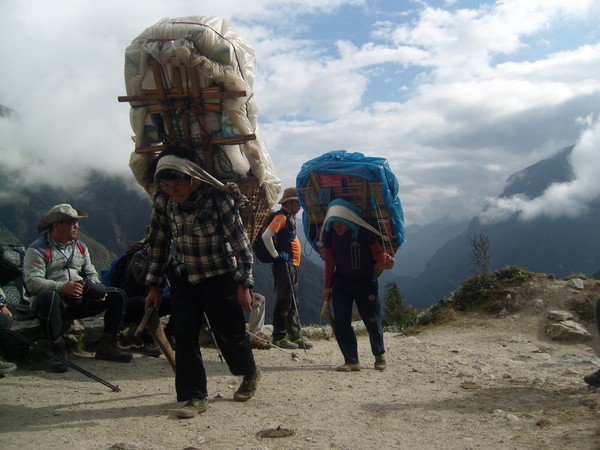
{"x": 482, "y": 380}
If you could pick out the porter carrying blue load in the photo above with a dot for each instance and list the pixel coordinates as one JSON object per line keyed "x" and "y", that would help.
{"x": 366, "y": 182}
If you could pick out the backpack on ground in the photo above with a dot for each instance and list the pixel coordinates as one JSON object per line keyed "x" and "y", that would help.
{"x": 11, "y": 279}
{"x": 260, "y": 249}
{"x": 11, "y": 262}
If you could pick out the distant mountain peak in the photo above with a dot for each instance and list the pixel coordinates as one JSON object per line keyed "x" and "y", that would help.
{"x": 533, "y": 180}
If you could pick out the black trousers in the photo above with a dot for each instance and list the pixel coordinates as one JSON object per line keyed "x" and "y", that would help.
{"x": 217, "y": 298}
{"x": 51, "y": 308}
{"x": 285, "y": 316}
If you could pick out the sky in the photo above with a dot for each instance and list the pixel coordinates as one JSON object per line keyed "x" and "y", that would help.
{"x": 456, "y": 95}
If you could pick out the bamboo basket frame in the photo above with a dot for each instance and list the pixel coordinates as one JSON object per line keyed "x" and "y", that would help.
{"x": 259, "y": 209}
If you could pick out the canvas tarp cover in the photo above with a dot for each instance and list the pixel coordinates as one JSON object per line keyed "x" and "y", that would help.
{"x": 365, "y": 181}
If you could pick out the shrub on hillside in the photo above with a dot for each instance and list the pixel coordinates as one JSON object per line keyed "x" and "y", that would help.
{"x": 480, "y": 288}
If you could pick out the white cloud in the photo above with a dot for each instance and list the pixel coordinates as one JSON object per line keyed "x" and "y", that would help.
{"x": 456, "y": 98}
{"x": 569, "y": 199}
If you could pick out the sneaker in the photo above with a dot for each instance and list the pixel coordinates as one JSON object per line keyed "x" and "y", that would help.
{"x": 285, "y": 343}
{"x": 259, "y": 344}
{"x": 248, "y": 388}
{"x": 348, "y": 367}
{"x": 109, "y": 350}
{"x": 192, "y": 408}
{"x": 380, "y": 363}
{"x": 7, "y": 367}
{"x": 302, "y": 343}
{"x": 593, "y": 379}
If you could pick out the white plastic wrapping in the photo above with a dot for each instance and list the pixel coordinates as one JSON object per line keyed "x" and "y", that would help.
{"x": 220, "y": 56}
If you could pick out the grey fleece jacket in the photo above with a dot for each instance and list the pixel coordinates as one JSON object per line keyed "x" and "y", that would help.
{"x": 49, "y": 265}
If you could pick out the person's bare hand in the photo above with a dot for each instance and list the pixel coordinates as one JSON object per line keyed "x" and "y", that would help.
{"x": 389, "y": 262}
{"x": 153, "y": 299}
{"x": 245, "y": 298}
{"x": 325, "y": 311}
{"x": 72, "y": 289}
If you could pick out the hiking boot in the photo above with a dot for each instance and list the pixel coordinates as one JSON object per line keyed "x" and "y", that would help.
{"x": 302, "y": 343}
{"x": 348, "y": 367}
{"x": 259, "y": 344}
{"x": 59, "y": 350}
{"x": 6, "y": 367}
{"x": 248, "y": 388}
{"x": 109, "y": 350}
{"x": 151, "y": 349}
{"x": 285, "y": 343}
{"x": 380, "y": 363}
{"x": 593, "y": 379}
{"x": 192, "y": 408}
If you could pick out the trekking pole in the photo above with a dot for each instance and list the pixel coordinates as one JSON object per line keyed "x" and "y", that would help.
{"x": 62, "y": 360}
{"x": 293, "y": 292}
{"x": 294, "y": 355}
{"x": 212, "y": 335}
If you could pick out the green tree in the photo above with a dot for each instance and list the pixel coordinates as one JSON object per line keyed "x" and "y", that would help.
{"x": 393, "y": 305}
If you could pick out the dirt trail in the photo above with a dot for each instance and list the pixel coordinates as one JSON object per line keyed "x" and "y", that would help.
{"x": 476, "y": 382}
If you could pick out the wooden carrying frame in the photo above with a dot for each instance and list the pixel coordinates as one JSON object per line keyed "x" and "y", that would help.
{"x": 187, "y": 105}
{"x": 183, "y": 104}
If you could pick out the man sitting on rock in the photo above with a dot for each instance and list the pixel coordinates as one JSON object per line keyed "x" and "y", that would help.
{"x": 63, "y": 283}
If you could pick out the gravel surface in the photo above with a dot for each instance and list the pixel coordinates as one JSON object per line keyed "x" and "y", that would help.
{"x": 479, "y": 381}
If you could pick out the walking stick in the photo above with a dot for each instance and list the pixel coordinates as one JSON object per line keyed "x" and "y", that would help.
{"x": 294, "y": 355}
{"x": 212, "y": 335}
{"x": 63, "y": 360}
{"x": 151, "y": 322}
{"x": 142, "y": 325}
{"x": 293, "y": 292}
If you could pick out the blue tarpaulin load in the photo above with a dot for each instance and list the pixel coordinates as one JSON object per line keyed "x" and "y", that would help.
{"x": 366, "y": 182}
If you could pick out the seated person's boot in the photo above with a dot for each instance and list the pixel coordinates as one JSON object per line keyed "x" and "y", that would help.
{"x": 58, "y": 349}
{"x": 6, "y": 367}
{"x": 109, "y": 350}
{"x": 149, "y": 347}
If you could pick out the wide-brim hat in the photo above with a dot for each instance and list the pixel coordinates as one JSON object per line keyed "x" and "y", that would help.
{"x": 64, "y": 211}
{"x": 288, "y": 194}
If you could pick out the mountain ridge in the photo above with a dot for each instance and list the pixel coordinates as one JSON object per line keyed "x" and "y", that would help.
{"x": 558, "y": 246}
